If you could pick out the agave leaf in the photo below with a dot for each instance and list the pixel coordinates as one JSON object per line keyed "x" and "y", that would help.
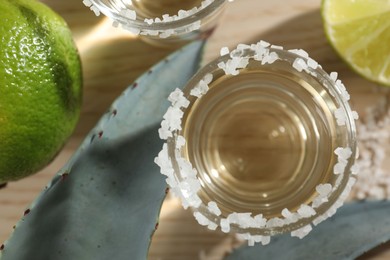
{"x": 355, "y": 229}
{"x": 104, "y": 203}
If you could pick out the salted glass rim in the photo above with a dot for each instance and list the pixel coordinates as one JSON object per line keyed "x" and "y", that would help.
{"x": 201, "y": 13}
{"x": 337, "y": 195}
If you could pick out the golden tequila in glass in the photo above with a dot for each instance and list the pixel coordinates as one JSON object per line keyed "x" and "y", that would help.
{"x": 270, "y": 138}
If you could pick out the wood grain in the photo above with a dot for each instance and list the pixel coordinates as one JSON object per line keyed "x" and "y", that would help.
{"x": 113, "y": 58}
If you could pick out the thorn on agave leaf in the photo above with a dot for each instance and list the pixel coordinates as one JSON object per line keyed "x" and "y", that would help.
{"x": 64, "y": 176}
{"x": 26, "y": 212}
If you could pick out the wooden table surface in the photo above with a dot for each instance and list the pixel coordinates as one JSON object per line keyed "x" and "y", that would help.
{"x": 113, "y": 58}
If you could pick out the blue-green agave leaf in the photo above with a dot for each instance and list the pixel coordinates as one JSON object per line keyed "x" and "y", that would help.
{"x": 355, "y": 229}
{"x": 104, "y": 203}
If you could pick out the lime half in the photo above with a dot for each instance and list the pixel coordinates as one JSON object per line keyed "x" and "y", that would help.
{"x": 359, "y": 30}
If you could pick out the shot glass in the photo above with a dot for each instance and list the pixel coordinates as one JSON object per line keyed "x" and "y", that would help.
{"x": 162, "y": 22}
{"x": 261, "y": 141}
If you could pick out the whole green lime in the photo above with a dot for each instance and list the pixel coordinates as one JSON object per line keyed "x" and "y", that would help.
{"x": 40, "y": 87}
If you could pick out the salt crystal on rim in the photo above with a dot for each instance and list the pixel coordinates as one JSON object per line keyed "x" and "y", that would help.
{"x": 355, "y": 115}
{"x": 87, "y": 3}
{"x": 200, "y": 89}
{"x": 260, "y": 221}
{"x": 233, "y": 218}
{"x": 299, "y": 64}
{"x": 319, "y": 219}
{"x": 225, "y": 225}
{"x": 244, "y": 220}
{"x": 180, "y": 141}
{"x": 318, "y": 201}
{"x": 333, "y": 75}
{"x": 339, "y": 167}
{"x": 276, "y": 47}
{"x": 173, "y": 117}
{"x": 224, "y": 51}
{"x": 264, "y": 43}
{"x": 265, "y": 240}
{"x": 167, "y": 33}
{"x": 340, "y": 117}
{"x": 344, "y": 93}
{"x": 275, "y": 222}
{"x": 212, "y": 226}
{"x": 286, "y": 213}
{"x": 243, "y": 63}
{"x": 177, "y": 99}
{"x": 213, "y": 207}
{"x": 302, "y": 232}
{"x": 202, "y": 220}
{"x": 187, "y": 171}
{"x": 167, "y": 18}
{"x": 306, "y": 211}
{"x": 164, "y": 162}
{"x": 251, "y": 241}
{"x": 95, "y": 10}
{"x": 312, "y": 63}
{"x": 208, "y": 78}
{"x": 324, "y": 189}
{"x": 148, "y": 21}
{"x": 164, "y": 131}
{"x": 131, "y": 14}
{"x": 221, "y": 65}
{"x": 194, "y": 201}
{"x": 343, "y": 153}
{"x": 236, "y": 53}
{"x": 242, "y": 46}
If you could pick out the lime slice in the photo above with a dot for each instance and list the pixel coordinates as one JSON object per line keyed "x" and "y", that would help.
{"x": 359, "y": 30}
